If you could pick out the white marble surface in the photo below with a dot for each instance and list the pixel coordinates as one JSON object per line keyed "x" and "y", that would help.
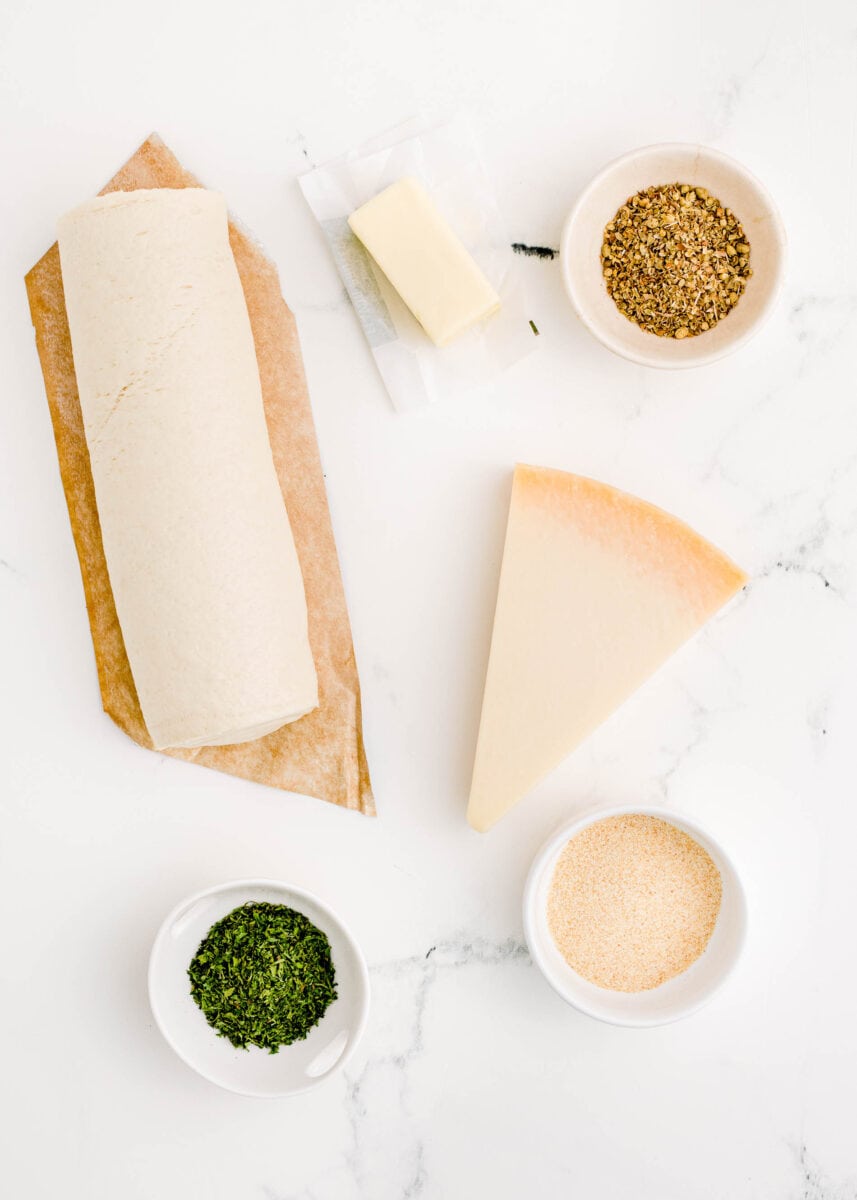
{"x": 474, "y": 1080}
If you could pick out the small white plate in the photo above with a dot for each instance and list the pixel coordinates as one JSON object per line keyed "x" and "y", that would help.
{"x": 254, "y": 1072}
{"x": 678, "y": 997}
{"x": 734, "y": 186}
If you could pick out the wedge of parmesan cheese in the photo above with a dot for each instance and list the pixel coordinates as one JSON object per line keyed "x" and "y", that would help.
{"x": 597, "y": 590}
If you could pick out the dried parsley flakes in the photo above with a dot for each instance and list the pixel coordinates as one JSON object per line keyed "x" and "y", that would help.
{"x": 675, "y": 260}
{"x": 263, "y": 976}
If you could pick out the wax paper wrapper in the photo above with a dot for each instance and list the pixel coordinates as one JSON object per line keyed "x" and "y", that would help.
{"x": 446, "y": 160}
{"x": 322, "y": 754}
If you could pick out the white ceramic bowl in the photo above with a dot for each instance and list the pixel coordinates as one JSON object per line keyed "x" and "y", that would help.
{"x": 676, "y": 998}
{"x": 582, "y": 238}
{"x": 254, "y": 1072}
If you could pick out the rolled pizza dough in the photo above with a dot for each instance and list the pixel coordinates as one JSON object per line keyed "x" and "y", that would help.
{"x": 199, "y": 549}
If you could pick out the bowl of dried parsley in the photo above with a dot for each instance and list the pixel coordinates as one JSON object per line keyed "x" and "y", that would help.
{"x": 259, "y": 987}
{"x": 674, "y": 255}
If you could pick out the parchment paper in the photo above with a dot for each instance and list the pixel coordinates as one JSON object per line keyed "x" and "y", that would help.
{"x": 322, "y": 754}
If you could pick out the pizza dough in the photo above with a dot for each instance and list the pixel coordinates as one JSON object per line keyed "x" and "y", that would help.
{"x": 199, "y": 549}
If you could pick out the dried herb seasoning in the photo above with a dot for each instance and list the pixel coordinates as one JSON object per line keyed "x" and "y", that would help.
{"x": 534, "y": 251}
{"x": 263, "y": 976}
{"x": 675, "y": 260}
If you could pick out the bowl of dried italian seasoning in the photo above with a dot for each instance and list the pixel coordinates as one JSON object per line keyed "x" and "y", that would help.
{"x": 674, "y": 255}
{"x": 259, "y": 987}
{"x": 635, "y": 916}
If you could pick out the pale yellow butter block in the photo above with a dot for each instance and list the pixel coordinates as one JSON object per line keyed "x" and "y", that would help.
{"x": 597, "y": 590}
{"x": 424, "y": 260}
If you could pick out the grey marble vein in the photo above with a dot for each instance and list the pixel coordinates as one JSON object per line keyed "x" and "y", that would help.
{"x": 815, "y": 1184}
{"x": 385, "y": 1075}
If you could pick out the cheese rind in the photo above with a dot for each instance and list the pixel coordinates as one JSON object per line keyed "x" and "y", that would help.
{"x": 597, "y": 589}
{"x": 199, "y": 550}
{"x": 424, "y": 260}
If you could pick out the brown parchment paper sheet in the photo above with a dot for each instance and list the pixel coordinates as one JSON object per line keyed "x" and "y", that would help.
{"x": 322, "y": 754}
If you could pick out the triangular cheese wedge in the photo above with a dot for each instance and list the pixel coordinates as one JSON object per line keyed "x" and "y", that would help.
{"x": 597, "y": 590}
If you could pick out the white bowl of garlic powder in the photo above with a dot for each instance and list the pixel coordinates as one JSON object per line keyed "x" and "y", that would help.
{"x": 635, "y": 916}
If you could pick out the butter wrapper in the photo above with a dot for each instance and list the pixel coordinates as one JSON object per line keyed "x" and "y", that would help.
{"x": 446, "y": 160}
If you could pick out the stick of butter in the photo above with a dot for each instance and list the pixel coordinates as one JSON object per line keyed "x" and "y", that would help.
{"x": 424, "y": 260}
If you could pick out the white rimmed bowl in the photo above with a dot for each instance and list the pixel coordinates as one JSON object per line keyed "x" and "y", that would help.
{"x": 734, "y": 186}
{"x": 254, "y": 1072}
{"x": 678, "y": 997}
